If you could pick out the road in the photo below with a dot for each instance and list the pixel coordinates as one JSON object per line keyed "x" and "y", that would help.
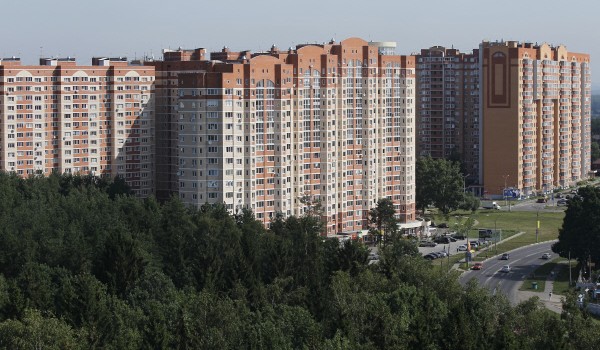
{"x": 523, "y": 261}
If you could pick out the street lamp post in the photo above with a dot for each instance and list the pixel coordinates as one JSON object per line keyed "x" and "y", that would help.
{"x": 504, "y": 189}
{"x": 537, "y": 227}
{"x": 496, "y": 235}
{"x": 464, "y": 182}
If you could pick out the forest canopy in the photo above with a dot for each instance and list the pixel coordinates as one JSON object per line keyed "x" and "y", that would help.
{"x": 84, "y": 265}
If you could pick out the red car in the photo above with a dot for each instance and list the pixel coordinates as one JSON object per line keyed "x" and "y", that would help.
{"x": 477, "y": 266}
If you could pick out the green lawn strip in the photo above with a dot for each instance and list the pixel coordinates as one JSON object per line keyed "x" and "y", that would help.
{"x": 540, "y": 275}
{"x": 441, "y": 264}
{"x": 561, "y": 282}
{"x": 510, "y": 223}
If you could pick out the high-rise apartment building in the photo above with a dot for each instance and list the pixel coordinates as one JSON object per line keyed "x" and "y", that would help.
{"x": 536, "y": 116}
{"x": 448, "y": 109}
{"x": 167, "y": 117}
{"x": 276, "y": 131}
{"x": 62, "y": 117}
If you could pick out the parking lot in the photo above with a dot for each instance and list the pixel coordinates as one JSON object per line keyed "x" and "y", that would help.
{"x": 451, "y": 247}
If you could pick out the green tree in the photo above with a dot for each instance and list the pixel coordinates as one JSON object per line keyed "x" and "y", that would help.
{"x": 383, "y": 218}
{"x": 469, "y": 202}
{"x": 579, "y": 235}
{"x": 595, "y": 151}
{"x": 38, "y": 332}
{"x": 439, "y": 183}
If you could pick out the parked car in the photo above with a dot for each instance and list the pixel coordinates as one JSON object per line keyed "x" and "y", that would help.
{"x": 459, "y": 236}
{"x": 546, "y": 256}
{"x": 561, "y": 202}
{"x": 542, "y": 200}
{"x": 505, "y": 269}
{"x": 505, "y": 256}
{"x": 427, "y": 244}
{"x": 474, "y": 244}
{"x": 442, "y": 254}
{"x": 373, "y": 256}
{"x": 442, "y": 240}
{"x": 461, "y": 248}
{"x": 477, "y": 266}
{"x": 443, "y": 225}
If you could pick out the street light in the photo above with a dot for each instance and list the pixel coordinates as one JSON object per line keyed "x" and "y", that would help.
{"x": 504, "y": 192}
{"x": 537, "y": 224}
{"x": 464, "y": 182}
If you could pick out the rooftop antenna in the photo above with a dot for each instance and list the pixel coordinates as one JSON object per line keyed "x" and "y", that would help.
{"x": 41, "y": 51}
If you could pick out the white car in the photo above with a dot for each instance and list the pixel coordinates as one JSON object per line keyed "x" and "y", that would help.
{"x": 546, "y": 256}
{"x": 461, "y": 248}
{"x": 505, "y": 269}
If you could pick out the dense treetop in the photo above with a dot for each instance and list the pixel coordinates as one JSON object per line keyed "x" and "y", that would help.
{"x": 85, "y": 266}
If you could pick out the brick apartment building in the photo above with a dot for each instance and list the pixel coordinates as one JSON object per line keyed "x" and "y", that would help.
{"x": 516, "y": 114}
{"x": 448, "y": 109}
{"x": 536, "y": 103}
{"x": 62, "y": 117}
{"x": 331, "y": 124}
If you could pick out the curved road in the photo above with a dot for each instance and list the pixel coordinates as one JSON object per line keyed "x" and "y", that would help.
{"x": 523, "y": 261}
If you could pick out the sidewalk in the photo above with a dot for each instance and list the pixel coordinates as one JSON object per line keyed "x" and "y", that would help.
{"x": 552, "y": 303}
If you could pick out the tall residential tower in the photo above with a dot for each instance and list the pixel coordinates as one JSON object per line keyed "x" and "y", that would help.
{"x": 448, "y": 109}
{"x": 277, "y": 131}
{"x": 536, "y": 116}
{"x": 62, "y": 117}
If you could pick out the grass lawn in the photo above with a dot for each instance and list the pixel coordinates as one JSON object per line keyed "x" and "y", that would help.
{"x": 510, "y": 223}
{"x": 442, "y": 264}
{"x": 540, "y": 275}
{"x": 561, "y": 283}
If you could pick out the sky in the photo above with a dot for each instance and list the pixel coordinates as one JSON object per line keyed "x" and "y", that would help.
{"x": 134, "y": 28}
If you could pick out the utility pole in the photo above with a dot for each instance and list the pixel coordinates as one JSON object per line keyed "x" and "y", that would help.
{"x": 496, "y": 236}
{"x": 504, "y": 191}
{"x": 537, "y": 227}
{"x": 570, "y": 280}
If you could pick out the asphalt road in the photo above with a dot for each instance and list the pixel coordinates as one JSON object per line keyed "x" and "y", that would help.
{"x": 523, "y": 261}
{"x": 531, "y": 205}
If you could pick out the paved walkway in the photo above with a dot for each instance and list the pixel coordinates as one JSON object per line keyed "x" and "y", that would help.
{"x": 550, "y": 300}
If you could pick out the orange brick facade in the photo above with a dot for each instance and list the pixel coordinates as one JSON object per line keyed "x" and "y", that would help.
{"x": 331, "y": 124}
{"x": 536, "y": 117}
{"x": 62, "y": 117}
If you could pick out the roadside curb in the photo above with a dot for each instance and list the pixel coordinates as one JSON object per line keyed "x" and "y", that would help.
{"x": 456, "y": 265}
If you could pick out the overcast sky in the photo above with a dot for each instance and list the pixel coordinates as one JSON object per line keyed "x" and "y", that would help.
{"x": 83, "y": 28}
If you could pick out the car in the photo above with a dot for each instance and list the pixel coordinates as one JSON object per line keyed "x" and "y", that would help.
{"x": 558, "y": 195}
{"x": 477, "y": 266}
{"x": 443, "y": 225}
{"x": 461, "y": 248}
{"x": 474, "y": 244}
{"x": 542, "y": 200}
{"x": 459, "y": 236}
{"x": 561, "y": 202}
{"x": 442, "y": 254}
{"x": 505, "y": 256}
{"x": 429, "y": 257}
{"x": 546, "y": 256}
{"x": 442, "y": 240}
{"x": 505, "y": 269}
{"x": 427, "y": 244}
{"x": 373, "y": 256}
